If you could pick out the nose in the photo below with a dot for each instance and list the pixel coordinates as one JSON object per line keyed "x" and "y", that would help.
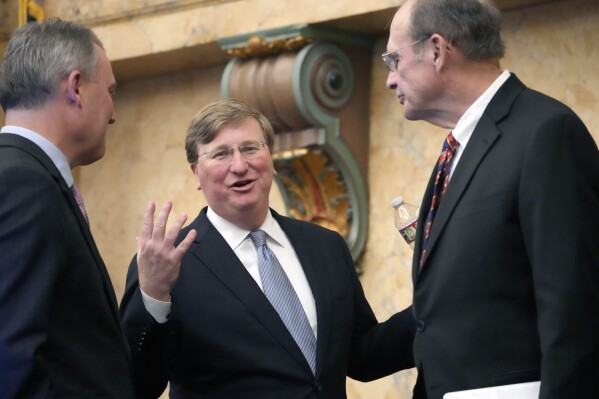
{"x": 112, "y": 117}
{"x": 391, "y": 81}
{"x": 238, "y": 163}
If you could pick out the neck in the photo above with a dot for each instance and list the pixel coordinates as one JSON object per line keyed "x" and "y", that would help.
{"x": 466, "y": 84}
{"x": 45, "y": 121}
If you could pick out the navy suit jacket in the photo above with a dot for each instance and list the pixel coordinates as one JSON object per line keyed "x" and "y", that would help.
{"x": 509, "y": 290}
{"x": 223, "y": 338}
{"x": 61, "y": 335}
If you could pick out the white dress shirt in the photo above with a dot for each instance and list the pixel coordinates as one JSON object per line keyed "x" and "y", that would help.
{"x": 241, "y": 243}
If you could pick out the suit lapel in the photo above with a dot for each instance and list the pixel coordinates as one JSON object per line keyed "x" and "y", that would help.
{"x": 483, "y": 137}
{"x": 481, "y": 141}
{"x": 91, "y": 244}
{"x": 35, "y": 151}
{"x": 308, "y": 256}
{"x": 211, "y": 249}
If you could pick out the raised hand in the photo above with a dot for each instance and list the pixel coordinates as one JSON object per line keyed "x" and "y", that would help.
{"x": 158, "y": 260}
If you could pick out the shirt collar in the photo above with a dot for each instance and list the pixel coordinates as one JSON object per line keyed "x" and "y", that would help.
{"x": 57, "y": 157}
{"x": 235, "y": 235}
{"x": 465, "y": 126}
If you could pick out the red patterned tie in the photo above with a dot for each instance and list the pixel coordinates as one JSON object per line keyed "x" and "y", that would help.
{"x": 441, "y": 179}
{"x": 79, "y": 200}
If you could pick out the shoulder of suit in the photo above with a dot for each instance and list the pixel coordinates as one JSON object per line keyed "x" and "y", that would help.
{"x": 312, "y": 228}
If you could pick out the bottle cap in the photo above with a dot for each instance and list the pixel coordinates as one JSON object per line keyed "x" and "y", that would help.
{"x": 397, "y": 201}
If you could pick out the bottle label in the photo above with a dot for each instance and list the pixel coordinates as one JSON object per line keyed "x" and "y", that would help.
{"x": 408, "y": 232}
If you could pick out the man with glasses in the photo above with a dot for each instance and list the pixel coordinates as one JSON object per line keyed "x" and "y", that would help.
{"x": 506, "y": 265}
{"x": 262, "y": 306}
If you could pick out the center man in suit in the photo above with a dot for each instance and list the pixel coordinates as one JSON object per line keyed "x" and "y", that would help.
{"x": 208, "y": 327}
{"x": 506, "y": 278}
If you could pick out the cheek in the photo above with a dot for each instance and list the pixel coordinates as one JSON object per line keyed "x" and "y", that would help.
{"x": 214, "y": 176}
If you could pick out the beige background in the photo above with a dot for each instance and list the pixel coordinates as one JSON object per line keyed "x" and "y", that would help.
{"x": 552, "y": 47}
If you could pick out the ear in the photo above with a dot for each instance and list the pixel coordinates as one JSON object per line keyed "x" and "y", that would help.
{"x": 73, "y": 88}
{"x": 194, "y": 168}
{"x": 441, "y": 51}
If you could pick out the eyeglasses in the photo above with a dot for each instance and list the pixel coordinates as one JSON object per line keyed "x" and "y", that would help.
{"x": 390, "y": 58}
{"x": 249, "y": 150}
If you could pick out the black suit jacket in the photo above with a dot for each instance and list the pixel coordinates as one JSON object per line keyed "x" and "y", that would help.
{"x": 61, "y": 335}
{"x": 509, "y": 291}
{"x": 224, "y": 339}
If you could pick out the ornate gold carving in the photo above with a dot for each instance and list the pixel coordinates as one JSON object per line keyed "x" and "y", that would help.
{"x": 315, "y": 190}
{"x": 257, "y": 46}
{"x": 30, "y": 8}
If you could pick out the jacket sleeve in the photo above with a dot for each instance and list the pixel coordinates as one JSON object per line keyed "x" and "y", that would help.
{"x": 559, "y": 214}
{"x": 148, "y": 340}
{"x": 378, "y": 349}
{"x": 30, "y": 264}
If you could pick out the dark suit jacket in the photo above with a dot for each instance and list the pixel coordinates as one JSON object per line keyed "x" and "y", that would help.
{"x": 224, "y": 339}
{"x": 60, "y": 333}
{"x": 509, "y": 291}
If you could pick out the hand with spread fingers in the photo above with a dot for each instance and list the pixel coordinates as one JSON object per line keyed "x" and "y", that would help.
{"x": 158, "y": 260}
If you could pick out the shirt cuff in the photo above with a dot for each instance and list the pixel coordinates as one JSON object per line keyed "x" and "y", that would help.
{"x": 159, "y": 310}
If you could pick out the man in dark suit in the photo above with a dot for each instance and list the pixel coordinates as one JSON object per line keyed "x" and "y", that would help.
{"x": 61, "y": 334}
{"x": 506, "y": 261}
{"x": 211, "y": 326}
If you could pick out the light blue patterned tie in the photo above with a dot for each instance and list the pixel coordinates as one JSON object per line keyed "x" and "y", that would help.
{"x": 284, "y": 299}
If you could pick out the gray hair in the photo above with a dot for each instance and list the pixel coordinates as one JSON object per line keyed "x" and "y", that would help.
{"x": 211, "y": 119}
{"x": 39, "y": 55}
{"x": 472, "y": 26}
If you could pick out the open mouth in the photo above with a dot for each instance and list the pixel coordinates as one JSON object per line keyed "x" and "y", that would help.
{"x": 241, "y": 183}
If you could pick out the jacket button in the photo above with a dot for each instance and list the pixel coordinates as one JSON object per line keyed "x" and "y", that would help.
{"x": 420, "y": 325}
{"x": 319, "y": 387}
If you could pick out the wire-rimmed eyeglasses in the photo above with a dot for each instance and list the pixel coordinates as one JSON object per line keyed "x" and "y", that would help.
{"x": 390, "y": 57}
{"x": 248, "y": 150}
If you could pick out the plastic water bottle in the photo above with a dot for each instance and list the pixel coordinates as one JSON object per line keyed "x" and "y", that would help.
{"x": 406, "y": 218}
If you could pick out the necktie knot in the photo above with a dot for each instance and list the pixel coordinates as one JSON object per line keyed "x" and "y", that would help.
{"x": 450, "y": 143}
{"x": 258, "y": 238}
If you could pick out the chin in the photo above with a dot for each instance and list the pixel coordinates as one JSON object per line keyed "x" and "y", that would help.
{"x": 94, "y": 157}
{"x": 411, "y": 114}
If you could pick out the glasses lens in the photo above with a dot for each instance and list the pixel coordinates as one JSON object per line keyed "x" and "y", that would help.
{"x": 389, "y": 60}
{"x": 224, "y": 155}
{"x": 251, "y": 150}
{"x": 221, "y": 155}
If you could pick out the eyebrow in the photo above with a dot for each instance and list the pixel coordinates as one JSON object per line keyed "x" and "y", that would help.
{"x": 244, "y": 142}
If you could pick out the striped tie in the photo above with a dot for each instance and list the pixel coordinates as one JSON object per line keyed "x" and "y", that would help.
{"x": 284, "y": 299}
{"x": 444, "y": 167}
{"x": 79, "y": 200}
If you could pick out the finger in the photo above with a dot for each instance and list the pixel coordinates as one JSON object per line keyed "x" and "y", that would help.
{"x": 173, "y": 232}
{"x": 148, "y": 224}
{"x": 184, "y": 245}
{"x": 160, "y": 223}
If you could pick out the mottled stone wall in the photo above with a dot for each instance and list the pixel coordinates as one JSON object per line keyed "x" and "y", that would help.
{"x": 553, "y": 48}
